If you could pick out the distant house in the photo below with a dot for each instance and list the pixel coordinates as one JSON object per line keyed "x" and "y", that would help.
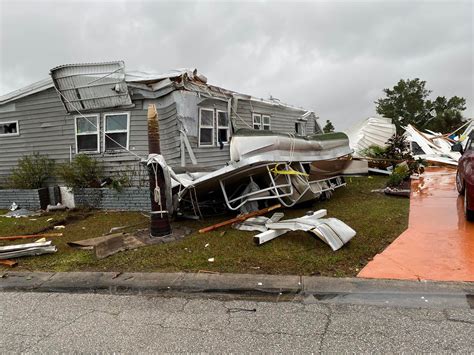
{"x": 197, "y": 121}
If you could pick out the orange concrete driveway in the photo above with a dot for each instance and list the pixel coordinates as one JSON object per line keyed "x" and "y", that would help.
{"x": 439, "y": 242}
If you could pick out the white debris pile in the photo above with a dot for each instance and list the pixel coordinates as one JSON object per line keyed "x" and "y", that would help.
{"x": 331, "y": 231}
{"x": 432, "y": 147}
{"x": 39, "y": 247}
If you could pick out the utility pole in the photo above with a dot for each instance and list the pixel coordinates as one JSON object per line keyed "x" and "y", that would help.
{"x": 160, "y": 224}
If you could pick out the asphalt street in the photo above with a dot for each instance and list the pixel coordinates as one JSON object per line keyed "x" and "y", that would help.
{"x": 60, "y": 322}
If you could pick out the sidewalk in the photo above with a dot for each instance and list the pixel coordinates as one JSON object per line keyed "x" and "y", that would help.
{"x": 439, "y": 242}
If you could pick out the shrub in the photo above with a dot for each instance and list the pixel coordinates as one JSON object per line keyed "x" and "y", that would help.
{"x": 374, "y": 151}
{"x": 83, "y": 171}
{"x": 32, "y": 172}
{"x": 400, "y": 173}
{"x": 398, "y": 148}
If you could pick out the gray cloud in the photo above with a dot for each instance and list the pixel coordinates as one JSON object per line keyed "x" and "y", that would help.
{"x": 333, "y": 57}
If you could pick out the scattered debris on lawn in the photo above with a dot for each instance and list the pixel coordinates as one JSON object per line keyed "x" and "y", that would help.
{"x": 393, "y": 191}
{"x": 397, "y": 192}
{"x": 239, "y": 218}
{"x": 257, "y": 223}
{"x": 211, "y": 260}
{"x": 332, "y": 231}
{"x": 116, "y": 243}
{"x": 55, "y": 208}
{"x": 30, "y": 249}
{"x": 19, "y": 213}
{"x": 46, "y": 235}
{"x": 110, "y": 244}
{"x": 9, "y": 263}
{"x": 59, "y": 227}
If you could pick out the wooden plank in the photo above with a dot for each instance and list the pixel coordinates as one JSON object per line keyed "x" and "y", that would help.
{"x": 239, "y": 218}
{"x": 8, "y": 262}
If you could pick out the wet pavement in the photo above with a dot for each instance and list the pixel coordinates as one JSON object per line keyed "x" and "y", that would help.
{"x": 439, "y": 242}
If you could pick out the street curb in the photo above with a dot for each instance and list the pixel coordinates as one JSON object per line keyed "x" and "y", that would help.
{"x": 245, "y": 284}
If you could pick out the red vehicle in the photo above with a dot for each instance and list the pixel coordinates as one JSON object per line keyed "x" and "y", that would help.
{"x": 465, "y": 175}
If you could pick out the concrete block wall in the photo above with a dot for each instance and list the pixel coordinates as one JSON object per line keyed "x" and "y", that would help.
{"x": 29, "y": 199}
{"x": 129, "y": 199}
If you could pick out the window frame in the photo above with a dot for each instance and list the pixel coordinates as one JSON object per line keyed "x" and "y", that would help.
{"x": 222, "y": 127}
{"x": 97, "y": 133}
{"x": 105, "y": 132}
{"x": 265, "y": 124}
{"x": 255, "y": 115}
{"x": 302, "y": 125}
{"x": 11, "y": 134}
{"x": 207, "y": 127}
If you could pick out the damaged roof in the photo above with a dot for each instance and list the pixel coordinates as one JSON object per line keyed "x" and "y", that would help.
{"x": 148, "y": 85}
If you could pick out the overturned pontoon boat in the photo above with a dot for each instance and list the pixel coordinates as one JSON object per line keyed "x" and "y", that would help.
{"x": 265, "y": 166}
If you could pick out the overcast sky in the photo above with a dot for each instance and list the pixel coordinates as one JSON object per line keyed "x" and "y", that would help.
{"x": 332, "y": 57}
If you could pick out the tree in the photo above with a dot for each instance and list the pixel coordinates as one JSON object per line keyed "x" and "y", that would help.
{"x": 447, "y": 114}
{"x": 408, "y": 103}
{"x": 328, "y": 128}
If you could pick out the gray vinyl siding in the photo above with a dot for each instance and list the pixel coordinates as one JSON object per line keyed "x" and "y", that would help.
{"x": 208, "y": 158}
{"x": 282, "y": 119}
{"x": 46, "y": 128}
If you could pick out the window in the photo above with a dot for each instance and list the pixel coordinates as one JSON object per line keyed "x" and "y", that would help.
{"x": 265, "y": 123}
{"x": 257, "y": 121}
{"x": 300, "y": 128}
{"x": 87, "y": 134}
{"x": 261, "y": 121}
{"x": 116, "y": 131}
{"x": 9, "y": 128}
{"x": 206, "y": 127}
{"x": 222, "y": 127}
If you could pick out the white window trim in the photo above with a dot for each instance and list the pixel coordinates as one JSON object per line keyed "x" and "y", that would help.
{"x": 11, "y": 134}
{"x": 219, "y": 127}
{"x": 261, "y": 125}
{"x": 86, "y": 134}
{"x": 253, "y": 121}
{"x": 105, "y": 132}
{"x": 204, "y": 126}
{"x": 269, "y": 122}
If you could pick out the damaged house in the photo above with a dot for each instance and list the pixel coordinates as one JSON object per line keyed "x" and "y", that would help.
{"x": 100, "y": 109}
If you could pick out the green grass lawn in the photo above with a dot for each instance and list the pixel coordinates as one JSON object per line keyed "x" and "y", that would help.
{"x": 377, "y": 219}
